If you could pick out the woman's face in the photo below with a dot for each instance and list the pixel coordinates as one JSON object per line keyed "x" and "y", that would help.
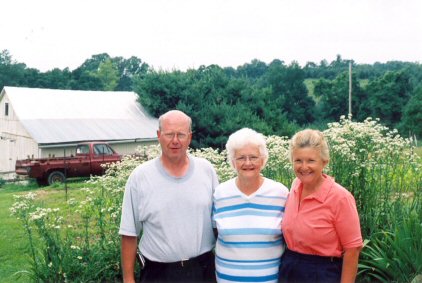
{"x": 308, "y": 165}
{"x": 248, "y": 162}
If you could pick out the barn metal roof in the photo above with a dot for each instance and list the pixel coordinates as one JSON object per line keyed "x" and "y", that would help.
{"x": 64, "y": 116}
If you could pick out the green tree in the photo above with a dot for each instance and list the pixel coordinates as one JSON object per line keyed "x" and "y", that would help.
{"x": 84, "y": 80}
{"x": 160, "y": 91}
{"x": 388, "y": 95}
{"x": 102, "y": 72}
{"x": 128, "y": 69}
{"x": 55, "y": 79}
{"x": 289, "y": 92}
{"x": 333, "y": 98}
{"x": 85, "y": 76}
{"x": 217, "y": 103}
{"x": 108, "y": 74}
{"x": 92, "y": 64}
{"x": 411, "y": 123}
{"x": 11, "y": 72}
{"x": 5, "y": 57}
{"x": 253, "y": 70}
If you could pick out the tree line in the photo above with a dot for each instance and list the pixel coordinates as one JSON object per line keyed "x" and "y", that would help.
{"x": 277, "y": 98}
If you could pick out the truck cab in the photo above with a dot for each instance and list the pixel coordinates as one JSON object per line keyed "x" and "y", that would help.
{"x": 92, "y": 156}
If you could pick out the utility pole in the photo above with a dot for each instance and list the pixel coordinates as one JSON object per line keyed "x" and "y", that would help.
{"x": 350, "y": 87}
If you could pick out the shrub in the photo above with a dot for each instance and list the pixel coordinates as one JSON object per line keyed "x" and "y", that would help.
{"x": 378, "y": 167}
{"x": 394, "y": 256}
{"x": 2, "y": 182}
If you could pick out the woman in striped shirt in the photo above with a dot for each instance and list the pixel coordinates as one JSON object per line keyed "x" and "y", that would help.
{"x": 247, "y": 215}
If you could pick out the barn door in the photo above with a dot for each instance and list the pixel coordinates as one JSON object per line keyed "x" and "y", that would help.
{"x": 7, "y": 163}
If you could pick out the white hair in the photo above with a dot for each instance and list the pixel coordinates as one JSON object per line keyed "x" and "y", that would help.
{"x": 242, "y": 138}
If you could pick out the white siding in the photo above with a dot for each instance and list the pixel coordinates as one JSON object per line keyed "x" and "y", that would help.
{"x": 129, "y": 147}
{"x": 15, "y": 142}
{"x": 58, "y": 151}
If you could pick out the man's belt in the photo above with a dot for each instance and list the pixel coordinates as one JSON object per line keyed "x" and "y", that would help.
{"x": 183, "y": 263}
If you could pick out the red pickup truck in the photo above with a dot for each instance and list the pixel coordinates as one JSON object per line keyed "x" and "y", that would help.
{"x": 87, "y": 161}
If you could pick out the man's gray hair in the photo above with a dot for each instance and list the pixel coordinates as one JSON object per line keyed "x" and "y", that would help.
{"x": 163, "y": 116}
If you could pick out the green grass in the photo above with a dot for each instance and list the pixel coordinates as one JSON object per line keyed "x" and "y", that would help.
{"x": 13, "y": 241}
{"x": 418, "y": 151}
{"x": 14, "y": 245}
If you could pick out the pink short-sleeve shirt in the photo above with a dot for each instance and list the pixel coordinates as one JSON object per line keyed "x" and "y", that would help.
{"x": 326, "y": 222}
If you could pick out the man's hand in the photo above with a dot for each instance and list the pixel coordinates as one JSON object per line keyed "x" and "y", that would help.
{"x": 128, "y": 255}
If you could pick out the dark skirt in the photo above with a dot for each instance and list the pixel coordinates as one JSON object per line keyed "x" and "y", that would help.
{"x": 302, "y": 268}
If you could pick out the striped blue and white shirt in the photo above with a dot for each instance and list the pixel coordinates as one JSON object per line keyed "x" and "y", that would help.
{"x": 249, "y": 244}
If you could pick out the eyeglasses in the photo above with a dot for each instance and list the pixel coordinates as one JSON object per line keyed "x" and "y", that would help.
{"x": 180, "y": 136}
{"x": 244, "y": 158}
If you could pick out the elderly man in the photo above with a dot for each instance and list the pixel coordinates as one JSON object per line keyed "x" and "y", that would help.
{"x": 169, "y": 199}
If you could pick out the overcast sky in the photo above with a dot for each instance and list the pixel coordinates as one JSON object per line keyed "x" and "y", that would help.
{"x": 181, "y": 34}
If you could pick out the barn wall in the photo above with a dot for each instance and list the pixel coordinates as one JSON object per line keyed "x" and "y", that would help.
{"x": 129, "y": 147}
{"x": 60, "y": 151}
{"x": 15, "y": 142}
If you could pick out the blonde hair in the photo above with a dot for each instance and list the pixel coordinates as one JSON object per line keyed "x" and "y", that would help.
{"x": 312, "y": 139}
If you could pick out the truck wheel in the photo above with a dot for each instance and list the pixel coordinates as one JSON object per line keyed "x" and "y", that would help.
{"x": 55, "y": 177}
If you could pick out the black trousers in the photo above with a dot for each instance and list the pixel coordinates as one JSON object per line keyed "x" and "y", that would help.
{"x": 301, "y": 268}
{"x": 198, "y": 269}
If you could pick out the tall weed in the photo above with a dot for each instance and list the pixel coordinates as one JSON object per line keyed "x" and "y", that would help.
{"x": 379, "y": 168}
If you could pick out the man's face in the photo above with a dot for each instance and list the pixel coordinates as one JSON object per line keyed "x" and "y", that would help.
{"x": 174, "y": 137}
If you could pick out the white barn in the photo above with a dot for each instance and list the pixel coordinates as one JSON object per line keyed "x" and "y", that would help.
{"x": 49, "y": 122}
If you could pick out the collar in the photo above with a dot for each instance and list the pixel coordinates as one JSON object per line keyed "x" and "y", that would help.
{"x": 321, "y": 194}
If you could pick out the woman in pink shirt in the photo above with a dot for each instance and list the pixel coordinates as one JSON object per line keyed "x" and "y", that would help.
{"x": 321, "y": 223}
